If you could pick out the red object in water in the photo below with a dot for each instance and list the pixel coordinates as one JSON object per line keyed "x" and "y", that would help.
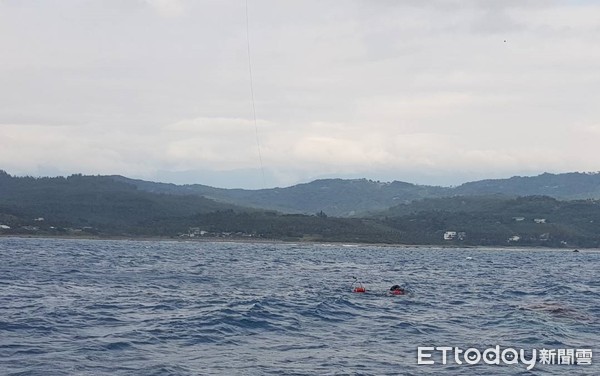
{"x": 397, "y": 292}
{"x": 359, "y": 289}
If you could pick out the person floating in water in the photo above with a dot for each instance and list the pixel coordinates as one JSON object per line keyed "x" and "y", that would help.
{"x": 397, "y": 290}
{"x": 357, "y": 286}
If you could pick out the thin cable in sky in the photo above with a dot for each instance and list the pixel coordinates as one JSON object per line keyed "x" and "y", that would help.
{"x": 262, "y": 169}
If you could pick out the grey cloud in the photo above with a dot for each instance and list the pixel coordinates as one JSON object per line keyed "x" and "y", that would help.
{"x": 341, "y": 87}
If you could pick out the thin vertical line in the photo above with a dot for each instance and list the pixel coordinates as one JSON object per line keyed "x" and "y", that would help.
{"x": 262, "y": 169}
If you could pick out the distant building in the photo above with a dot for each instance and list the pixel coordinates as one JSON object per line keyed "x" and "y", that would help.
{"x": 519, "y": 219}
{"x": 514, "y": 238}
{"x": 39, "y": 219}
{"x": 194, "y": 231}
{"x": 4, "y": 227}
{"x": 540, "y": 220}
{"x": 450, "y": 235}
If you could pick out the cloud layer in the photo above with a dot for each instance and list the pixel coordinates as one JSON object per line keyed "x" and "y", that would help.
{"x": 434, "y": 92}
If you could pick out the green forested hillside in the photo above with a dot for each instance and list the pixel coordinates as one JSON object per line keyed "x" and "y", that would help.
{"x": 98, "y": 205}
{"x": 574, "y": 185}
{"x": 357, "y": 197}
{"x": 104, "y": 206}
{"x": 92, "y": 201}
{"x": 492, "y": 220}
{"x": 335, "y": 197}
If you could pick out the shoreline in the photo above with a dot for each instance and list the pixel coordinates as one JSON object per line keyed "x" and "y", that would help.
{"x": 279, "y": 241}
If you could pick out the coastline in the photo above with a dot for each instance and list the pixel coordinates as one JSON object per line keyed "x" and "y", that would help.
{"x": 299, "y": 241}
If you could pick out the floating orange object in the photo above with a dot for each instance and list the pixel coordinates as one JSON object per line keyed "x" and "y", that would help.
{"x": 359, "y": 289}
{"x": 397, "y": 292}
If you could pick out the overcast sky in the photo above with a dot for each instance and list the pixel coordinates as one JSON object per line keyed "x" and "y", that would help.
{"x": 430, "y": 92}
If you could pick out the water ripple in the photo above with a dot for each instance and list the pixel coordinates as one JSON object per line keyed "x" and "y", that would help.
{"x": 184, "y": 308}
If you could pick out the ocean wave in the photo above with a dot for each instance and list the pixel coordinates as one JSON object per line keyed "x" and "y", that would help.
{"x": 183, "y": 308}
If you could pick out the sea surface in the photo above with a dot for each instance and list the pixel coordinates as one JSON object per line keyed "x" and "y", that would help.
{"x": 96, "y": 307}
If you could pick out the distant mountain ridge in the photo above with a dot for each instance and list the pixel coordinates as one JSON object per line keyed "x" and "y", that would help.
{"x": 569, "y": 186}
{"x": 395, "y": 213}
{"x": 335, "y": 197}
{"x": 353, "y": 197}
{"x": 95, "y": 201}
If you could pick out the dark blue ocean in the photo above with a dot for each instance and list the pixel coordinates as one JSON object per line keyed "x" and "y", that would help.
{"x": 95, "y": 307}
